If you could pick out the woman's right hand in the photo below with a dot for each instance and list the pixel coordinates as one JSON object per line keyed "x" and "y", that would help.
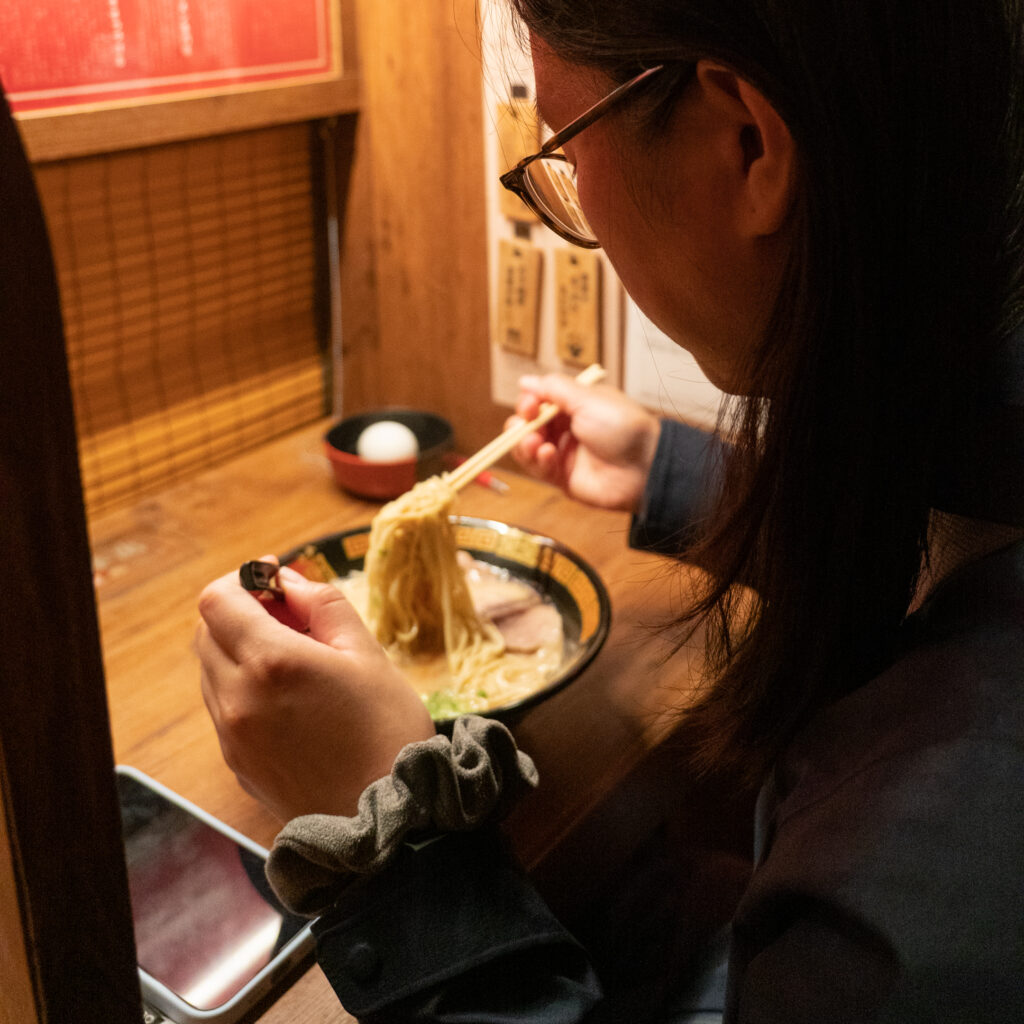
{"x": 308, "y": 708}
{"x": 598, "y": 448}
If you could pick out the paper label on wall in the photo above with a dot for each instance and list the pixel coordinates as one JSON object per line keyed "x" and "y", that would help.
{"x": 508, "y": 76}
{"x": 578, "y": 306}
{"x": 519, "y": 267}
{"x": 518, "y": 136}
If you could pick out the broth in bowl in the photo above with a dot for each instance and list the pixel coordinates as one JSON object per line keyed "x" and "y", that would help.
{"x": 549, "y": 606}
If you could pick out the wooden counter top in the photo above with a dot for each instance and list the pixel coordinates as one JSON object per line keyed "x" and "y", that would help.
{"x": 152, "y": 560}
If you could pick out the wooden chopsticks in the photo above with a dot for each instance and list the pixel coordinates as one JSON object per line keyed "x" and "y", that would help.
{"x": 505, "y": 442}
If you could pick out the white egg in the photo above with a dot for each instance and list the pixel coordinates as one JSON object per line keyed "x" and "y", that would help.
{"x": 387, "y": 441}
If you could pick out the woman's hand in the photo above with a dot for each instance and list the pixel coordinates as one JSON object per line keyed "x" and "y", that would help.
{"x": 598, "y": 448}
{"x": 306, "y": 720}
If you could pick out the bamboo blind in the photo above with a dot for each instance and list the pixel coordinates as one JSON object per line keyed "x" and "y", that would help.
{"x": 189, "y": 286}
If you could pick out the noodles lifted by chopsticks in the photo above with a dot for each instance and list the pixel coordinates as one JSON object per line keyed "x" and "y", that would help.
{"x": 420, "y": 604}
{"x": 419, "y": 600}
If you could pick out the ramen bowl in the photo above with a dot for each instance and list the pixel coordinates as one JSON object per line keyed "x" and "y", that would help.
{"x": 385, "y": 480}
{"x": 557, "y": 573}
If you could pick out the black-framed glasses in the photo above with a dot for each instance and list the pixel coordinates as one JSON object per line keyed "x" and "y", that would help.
{"x": 546, "y": 181}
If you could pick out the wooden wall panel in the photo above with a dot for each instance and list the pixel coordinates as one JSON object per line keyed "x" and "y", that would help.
{"x": 423, "y": 134}
{"x": 61, "y": 840}
{"x": 357, "y": 381}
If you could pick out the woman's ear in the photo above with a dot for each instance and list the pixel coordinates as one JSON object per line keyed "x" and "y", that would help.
{"x": 757, "y": 145}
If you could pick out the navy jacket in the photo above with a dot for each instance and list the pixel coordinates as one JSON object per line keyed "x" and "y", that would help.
{"x": 889, "y": 885}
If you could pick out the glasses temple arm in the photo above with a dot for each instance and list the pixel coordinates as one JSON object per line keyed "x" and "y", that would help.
{"x": 588, "y": 117}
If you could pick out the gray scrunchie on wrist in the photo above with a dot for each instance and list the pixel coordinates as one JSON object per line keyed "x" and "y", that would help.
{"x": 438, "y": 785}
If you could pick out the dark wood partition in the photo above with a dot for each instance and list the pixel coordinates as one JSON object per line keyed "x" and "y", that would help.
{"x": 65, "y": 924}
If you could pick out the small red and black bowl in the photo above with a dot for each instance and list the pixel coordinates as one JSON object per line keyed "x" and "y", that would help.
{"x": 382, "y": 481}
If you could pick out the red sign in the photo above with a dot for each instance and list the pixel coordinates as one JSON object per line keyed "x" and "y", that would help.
{"x": 66, "y": 54}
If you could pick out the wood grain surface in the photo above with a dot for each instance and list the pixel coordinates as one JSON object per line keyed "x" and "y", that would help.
{"x": 416, "y": 288}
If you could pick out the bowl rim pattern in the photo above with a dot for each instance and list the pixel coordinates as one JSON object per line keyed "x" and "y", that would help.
{"x": 548, "y": 565}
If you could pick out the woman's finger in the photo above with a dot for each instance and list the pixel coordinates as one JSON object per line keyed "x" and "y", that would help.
{"x": 215, "y": 665}
{"x": 233, "y": 617}
{"x": 330, "y": 616}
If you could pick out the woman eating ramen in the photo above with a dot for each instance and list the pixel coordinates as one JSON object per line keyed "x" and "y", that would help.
{"x": 824, "y": 203}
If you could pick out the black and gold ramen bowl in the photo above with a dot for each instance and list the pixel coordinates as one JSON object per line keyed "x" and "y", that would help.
{"x": 559, "y": 575}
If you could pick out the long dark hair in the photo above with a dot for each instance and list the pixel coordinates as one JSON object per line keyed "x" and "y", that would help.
{"x": 906, "y": 276}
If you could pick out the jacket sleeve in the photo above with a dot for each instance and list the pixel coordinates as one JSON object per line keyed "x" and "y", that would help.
{"x": 453, "y": 931}
{"x": 682, "y": 480}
